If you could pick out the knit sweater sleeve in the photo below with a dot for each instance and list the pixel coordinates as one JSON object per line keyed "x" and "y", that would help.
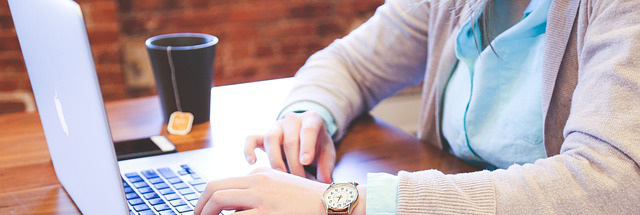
{"x": 597, "y": 170}
{"x": 385, "y": 54}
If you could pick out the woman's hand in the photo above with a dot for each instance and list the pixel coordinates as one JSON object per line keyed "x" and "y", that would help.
{"x": 303, "y": 138}
{"x": 264, "y": 191}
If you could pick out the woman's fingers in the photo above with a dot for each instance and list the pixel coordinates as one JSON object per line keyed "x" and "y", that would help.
{"x": 291, "y": 143}
{"x": 326, "y": 158}
{"x": 300, "y": 137}
{"x": 231, "y": 199}
{"x": 272, "y": 142}
{"x": 225, "y": 184}
{"x": 253, "y": 142}
{"x": 310, "y": 128}
{"x": 264, "y": 191}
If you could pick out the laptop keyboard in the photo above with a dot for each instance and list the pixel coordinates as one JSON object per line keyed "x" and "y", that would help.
{"x": 163, "y": 190}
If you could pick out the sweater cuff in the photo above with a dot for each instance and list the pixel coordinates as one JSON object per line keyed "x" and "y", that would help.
{"x": 303, "y": 106}
{"x": 382, "y": 194}
{"x": 432, "y": 192}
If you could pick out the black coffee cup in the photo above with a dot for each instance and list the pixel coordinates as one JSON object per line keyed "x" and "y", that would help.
{"x": 183, "y": 68}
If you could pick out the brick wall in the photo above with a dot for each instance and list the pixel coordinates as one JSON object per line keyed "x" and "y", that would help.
{"x": 259, "y": 40}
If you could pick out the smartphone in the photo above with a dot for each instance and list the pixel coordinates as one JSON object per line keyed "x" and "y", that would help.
{"x": 155, "y": 145}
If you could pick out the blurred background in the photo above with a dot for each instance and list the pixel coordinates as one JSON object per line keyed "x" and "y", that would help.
{"x": 259, "y": 40}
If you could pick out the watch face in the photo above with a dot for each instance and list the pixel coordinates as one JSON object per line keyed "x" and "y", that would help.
{"x": 340, "y": 196}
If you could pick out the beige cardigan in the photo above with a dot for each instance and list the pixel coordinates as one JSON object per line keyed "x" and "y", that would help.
{"x": 590, "y": 103}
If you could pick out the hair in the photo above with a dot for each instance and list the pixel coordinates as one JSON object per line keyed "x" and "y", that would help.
{"x": 476, "y": 6}
{"x": 485, "y": 25}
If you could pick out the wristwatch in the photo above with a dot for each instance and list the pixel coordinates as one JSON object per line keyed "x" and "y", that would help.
{"x": 340, "y": 198}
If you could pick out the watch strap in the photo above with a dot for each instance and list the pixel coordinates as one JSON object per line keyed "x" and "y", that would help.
{"x": 338, "y": 212}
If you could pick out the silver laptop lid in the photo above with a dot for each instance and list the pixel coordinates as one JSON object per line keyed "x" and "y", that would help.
{"x": 58, "y": 57}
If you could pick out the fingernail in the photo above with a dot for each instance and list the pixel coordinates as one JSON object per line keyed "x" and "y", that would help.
{"x": 250, "y": 159}
{"x": 305, "y": 159}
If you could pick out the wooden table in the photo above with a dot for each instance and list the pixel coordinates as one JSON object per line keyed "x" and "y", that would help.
{"x": 28, "y": 184}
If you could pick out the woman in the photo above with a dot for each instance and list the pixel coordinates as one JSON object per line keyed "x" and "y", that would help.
{"x": 544, "y": 91}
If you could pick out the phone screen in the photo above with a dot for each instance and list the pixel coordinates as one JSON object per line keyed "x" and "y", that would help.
{"x": 137, "y": 148}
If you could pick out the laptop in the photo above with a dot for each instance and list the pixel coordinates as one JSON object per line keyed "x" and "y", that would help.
{"x": 56, "y": 50}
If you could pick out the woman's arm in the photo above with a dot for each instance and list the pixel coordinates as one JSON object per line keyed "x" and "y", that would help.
{"x": 385, "y": 54}
{"x": 597, "y": 171}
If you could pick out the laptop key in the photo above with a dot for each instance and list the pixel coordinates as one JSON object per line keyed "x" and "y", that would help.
{"x": 145, "y": 190}
{"x": 155, "y": 180}
{"x": 183, "y": 209}
{"x": 174, "y": 180}
{"x": 176, "y": 203}
{"x": 193, "y": 202}
{"x": 192, "y": 196}
{"x": 166, "y": 191}
{"x": 150, "y": 196}
{"x": 187, "y": 213}
{"x": 136, "y": 201}
{"x": 149, "y": 174}
{"x": 128, "y": 190}
{"x": 131, "y": 196}
{"x": 162, "y": 207}
{"x": 200, "y": 187}
{"x": 167, "y": 213}
{"x": 156, "y": 201}
{"x": 195, "y": 176}
{"x": 167, "y": 173}
{"x": 182, "y": 172}
{"x": 180, "y": 186}
{"x": 147, "y": 212}
{"x": 131, "y": 174}
{"x": 186, "y": 168}
{"x": 185, "y": 191}
{"x": 161, "y": 186}
{"x": 172, "y": 197}
{"x": 140, "y": 184}
{"x": 141, "y": 207}
{"x": 197, "y": 181}
{"x": 135, "y": 179}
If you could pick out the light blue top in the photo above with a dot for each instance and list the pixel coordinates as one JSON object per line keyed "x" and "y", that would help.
{"x": 492, "y": 115}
